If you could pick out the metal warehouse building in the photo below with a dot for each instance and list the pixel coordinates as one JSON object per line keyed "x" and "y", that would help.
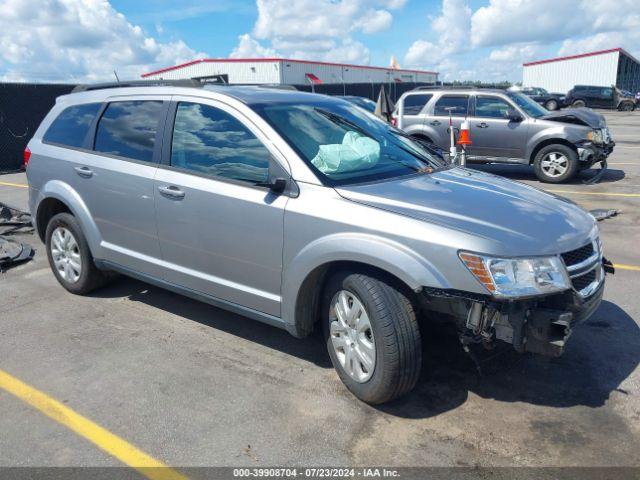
{"x": 603, "y": 69}
{"x": 289, "y": 72}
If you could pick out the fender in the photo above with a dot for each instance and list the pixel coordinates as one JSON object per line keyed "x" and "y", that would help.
{"x": 390, "y": 256}
{"x": 557, "y": 133}
{"x": 67, "y": 195}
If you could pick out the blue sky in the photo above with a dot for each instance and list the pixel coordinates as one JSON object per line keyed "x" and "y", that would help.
{"x": 85, "y": 40}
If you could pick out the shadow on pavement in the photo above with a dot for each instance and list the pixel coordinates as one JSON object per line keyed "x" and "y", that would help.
{"x": 525, "y": 172}
{"x": 601, "y": 354}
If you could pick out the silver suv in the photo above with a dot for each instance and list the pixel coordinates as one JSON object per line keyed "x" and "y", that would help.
{"x": 508, "y": 127}
{"x": 306, "y": 212}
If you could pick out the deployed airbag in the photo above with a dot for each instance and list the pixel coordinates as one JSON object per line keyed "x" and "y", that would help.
{"x": 356, "y": 152}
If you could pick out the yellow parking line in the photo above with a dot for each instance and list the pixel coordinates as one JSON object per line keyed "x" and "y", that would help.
{"x": 107, "y": 441}
{"x": 623, "y": 163}
{"x": 622, "y": 266}
{"x": 597, "y": 193}
{"x": 9, "y": 184}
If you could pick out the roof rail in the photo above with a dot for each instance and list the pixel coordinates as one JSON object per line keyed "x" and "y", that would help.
{"x": 457, "y": 87}
{"x": 139, "y": 83}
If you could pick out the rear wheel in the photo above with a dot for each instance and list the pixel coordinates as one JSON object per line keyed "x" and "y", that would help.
{"x": 551, "y": 105}
{"x": 69, "y": 256}
{"x": 555, "y": 163}
{"x": 578, "y": 104}
{"x": 372, "y": 336}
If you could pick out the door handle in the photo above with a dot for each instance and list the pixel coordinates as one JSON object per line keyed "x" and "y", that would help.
{"x": 435, "y": 122}
{"x": 85, "y": 172}
{"x": 482, "y": 125}
{"x": 171, "y": 191}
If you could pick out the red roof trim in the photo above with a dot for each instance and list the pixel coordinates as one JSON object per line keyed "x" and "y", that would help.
{"x": 258, "y": 60}
{"x": 582, "y": 55}
{"x": 313, "y": 78}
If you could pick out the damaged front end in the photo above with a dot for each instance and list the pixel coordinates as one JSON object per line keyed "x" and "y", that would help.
{"x": 540, "y": 324}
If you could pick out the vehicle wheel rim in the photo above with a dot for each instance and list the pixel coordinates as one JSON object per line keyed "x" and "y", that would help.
{"x": 552, "y": 105}
{"x": 554, "y": 164}
{"x": 66, "y": 254}
{"x": 352, "y": 336}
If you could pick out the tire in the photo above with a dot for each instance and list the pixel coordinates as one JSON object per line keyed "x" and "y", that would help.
{"x": 578, "y": 104}
{"x": 557, "y": 158}
{"x": 390, "y": 330}
{"x": 551, "y": 105}
{"x": 76, "y": 252}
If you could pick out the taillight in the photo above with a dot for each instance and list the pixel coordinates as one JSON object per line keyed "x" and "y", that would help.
{"x": 26, "y": 156}
{"x": 394, "y": 121}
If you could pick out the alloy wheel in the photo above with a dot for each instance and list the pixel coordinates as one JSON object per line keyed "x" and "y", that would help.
{"x": 554, "y": 164}
{"x": 352, "y": 336}
{"x": 66, "y": 254}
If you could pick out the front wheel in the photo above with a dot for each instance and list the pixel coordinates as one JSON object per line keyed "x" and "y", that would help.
{"x": 555, "y": 164}
{"x": 551, "y": 105}
{"x": 372, "y": 336}
{"x": 578, "y": 104}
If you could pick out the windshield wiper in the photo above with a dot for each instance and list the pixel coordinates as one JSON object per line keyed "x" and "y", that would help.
{"x": 341, "y": 120}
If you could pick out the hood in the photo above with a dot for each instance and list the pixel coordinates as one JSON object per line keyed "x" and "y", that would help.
{"x": 522, "y": 220}
{"x": 577, "y": 116}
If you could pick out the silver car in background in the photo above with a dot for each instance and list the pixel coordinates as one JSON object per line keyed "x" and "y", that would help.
{"x": 508, "y": 127}
{"x": 306, "y": 212}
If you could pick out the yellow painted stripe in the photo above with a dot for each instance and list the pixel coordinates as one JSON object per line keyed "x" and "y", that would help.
{"x": 597, "y": 193}
{"x": 622, "y": 266}
{"x": 107, "y": 441}
{"x": 9, "y": 184}
{"x": 623, "y": 163}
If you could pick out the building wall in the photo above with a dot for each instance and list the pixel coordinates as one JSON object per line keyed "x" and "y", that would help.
{"x": 293, "y": 73}
{"x": 561, "y": 76}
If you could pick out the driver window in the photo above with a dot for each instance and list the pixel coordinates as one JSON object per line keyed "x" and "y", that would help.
{"x": 492, "y": 107}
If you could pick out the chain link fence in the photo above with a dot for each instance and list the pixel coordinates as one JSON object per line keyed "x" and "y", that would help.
{"x": 22, "y": 108}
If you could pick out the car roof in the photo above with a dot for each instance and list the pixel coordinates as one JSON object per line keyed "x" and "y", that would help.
{"x": 249, "y": 95}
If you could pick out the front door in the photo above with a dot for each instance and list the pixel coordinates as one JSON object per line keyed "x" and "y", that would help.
{"x": 492, "y": 132}
{"x": 220, "y": 234}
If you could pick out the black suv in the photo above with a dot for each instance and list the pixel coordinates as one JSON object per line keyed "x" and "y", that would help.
{"x": 550, "y": 101}
{"x": 599, "y": 97}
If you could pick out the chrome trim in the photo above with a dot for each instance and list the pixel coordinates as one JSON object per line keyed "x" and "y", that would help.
{"x": 594, "y": 262}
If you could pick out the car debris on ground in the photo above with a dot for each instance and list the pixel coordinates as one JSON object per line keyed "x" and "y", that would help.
{"x": 13, "y": 252}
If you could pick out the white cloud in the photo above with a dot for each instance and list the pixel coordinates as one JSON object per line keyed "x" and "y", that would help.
{"x": 452, "y": 30}
{"x": 250, "y": 48}
{"x": 318, "y": 29}
{"x": 77, "y": 40}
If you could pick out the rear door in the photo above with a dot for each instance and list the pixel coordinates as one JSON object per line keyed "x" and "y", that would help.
{"x": 492, "y": 133}
{"x": 438, "y": 117}
{"x": 412, "y": 109}
{"x": 220, "y": 233}
{"x": 114, "y": 178}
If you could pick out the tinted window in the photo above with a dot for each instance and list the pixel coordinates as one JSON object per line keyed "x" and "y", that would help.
{"x": 71, "y": 126}
{"x": 492, "y": 107}
{"x": 457, "y": 102}
{"x": 128, "y": 129}
{"x": 210, "y": 141}
{"x": 413, "y": 104}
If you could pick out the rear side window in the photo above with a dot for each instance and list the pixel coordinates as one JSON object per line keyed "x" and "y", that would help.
{"x": 72, "y": 125}
{"x": 459, "y": 103}
{"x": 413, "y": 104}
{"x": 208, "y": 140}
{"x": 128, "y": 129}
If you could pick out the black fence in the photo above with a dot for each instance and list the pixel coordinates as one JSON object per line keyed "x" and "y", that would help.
{"x": 24, "y": 105}
{"x": 22, "y": 108}
{"x": 368, "y": 90}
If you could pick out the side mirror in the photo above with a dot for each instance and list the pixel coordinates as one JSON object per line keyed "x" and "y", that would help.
{"x": 277, "y": 185}
{"x": 514, "y": 116}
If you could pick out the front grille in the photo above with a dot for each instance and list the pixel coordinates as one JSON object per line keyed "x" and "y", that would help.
{"x": 578, "y": 255}
{"x": 583, "y": 281}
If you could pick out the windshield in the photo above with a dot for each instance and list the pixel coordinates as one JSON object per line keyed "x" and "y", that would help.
{"x": 528, "y": 105}
{"x": 362, "y": 102}
{"x": 344, "y": 144}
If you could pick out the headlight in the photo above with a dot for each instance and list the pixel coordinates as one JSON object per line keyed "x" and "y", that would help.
{"x": 518, "y": 277}
{"x": 596, "y": 136}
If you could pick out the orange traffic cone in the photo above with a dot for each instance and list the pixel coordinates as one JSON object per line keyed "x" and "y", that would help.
{"x": 464, "y": 138}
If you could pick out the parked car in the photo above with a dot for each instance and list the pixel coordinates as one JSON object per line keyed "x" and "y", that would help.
{"x": 508, "y": 127}
{"x": 550, "y": 101}
{"x": 362, "y": 102}
{"x": 306, "y": 212}
{"x": 599, "y": 97}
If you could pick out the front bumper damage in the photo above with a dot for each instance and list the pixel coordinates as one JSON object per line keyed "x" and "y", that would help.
{"x": 540, "y": 325}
